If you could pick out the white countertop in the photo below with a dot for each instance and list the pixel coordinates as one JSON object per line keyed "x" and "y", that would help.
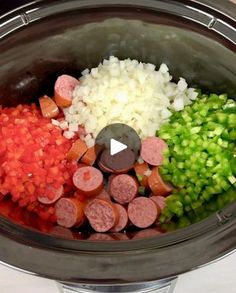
{"x": 215, "y": 278}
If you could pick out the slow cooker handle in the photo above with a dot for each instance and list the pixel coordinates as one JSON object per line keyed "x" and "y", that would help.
{"x": 161, "y": 286}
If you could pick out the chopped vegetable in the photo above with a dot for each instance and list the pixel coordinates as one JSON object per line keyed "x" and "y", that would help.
{"x": 126, "y": 91}
{"x": 200, "y": 162}
{"x": 32, "y": 155}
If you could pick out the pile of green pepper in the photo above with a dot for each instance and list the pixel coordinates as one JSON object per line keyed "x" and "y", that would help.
{"x": 201, "y": 159}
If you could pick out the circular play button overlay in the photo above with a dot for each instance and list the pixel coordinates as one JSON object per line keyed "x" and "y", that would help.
{"x": 120, "y": 148}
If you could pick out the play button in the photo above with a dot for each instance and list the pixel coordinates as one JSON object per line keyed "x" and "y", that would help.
{"x": 120, "y": 148}
{"x": 116, "y": 147}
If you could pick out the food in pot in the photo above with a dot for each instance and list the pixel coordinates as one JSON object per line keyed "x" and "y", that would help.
{"x": 102, "y": 214}
{"x": 201, "y": 160}
{"x": 88, "y": 180}
{"x": 122, "y": 219}
{"x": 152, "y": 150}
{"x": 51, "y": 167}
{"x": 63, "y": 90}
{"x": 126, "y": 91}
{"x": 70, "y": 212}
{"x": 142, "y": 212}
{"x": 123, "y": 188}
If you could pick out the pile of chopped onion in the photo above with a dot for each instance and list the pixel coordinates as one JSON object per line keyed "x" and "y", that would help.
{"x": 126, "y": 91}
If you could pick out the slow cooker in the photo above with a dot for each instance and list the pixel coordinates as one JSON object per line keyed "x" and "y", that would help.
{"x": 42, "y": 39}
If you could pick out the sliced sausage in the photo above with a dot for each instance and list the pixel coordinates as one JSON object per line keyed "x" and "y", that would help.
{"x": 104, "y": 195}
{"x": 63, "y": 90}
{"x": 159, "y": 200}
{"x": 91, "y": 155}
{"x": 77, "y": 150}
{"x": 48, "y": 107}
{"x": 88, "y": 180}
{"x": 123, "y": 219}
{"x": 152, "y": 150}
{"x": 157, "y": 185}
{"x": 80, "y": 196}
{"x": 142, "y": 172}
{"x": 123, "y": 188}
{"x": 109, "y": 182}
{"x": 101, "y": 214}
{"x": 51, "y": 194}
{"x": 69, "y": 212}
{"x": 142, "y": 212}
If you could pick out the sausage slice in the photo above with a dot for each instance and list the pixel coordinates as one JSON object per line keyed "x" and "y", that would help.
{"x": 142, "y": 212}
{"x": 123, "y": 219}
{"x": 63, "y": 90}
{"x": 123, "y": 188}
{"x": 101, "y": 214}
{"x": 152, "y": 150}
{"x": 77, "y": 150}
{"x": 51, "y": 195}
{"x": 157, "y": 185}
{"x": 48, "y": 107}
{"x": 141, "y": 171}
{"x": 91, "y": 155}
{"x": 104, "y": 195}
{"x": 88, "y": 180}
{"x": 69, "y": 212}
{"x": 159, "y": 201}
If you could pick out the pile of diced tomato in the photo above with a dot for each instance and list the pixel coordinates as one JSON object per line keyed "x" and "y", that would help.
{"x": 32, "y": 156}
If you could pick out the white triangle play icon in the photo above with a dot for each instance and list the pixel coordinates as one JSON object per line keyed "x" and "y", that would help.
{"x": 116, "y": 146}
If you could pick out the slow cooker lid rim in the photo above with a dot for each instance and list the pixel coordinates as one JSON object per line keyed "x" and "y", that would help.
{"x": 213, "y": 19}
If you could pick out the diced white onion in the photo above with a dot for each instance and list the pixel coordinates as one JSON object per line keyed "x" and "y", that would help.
{"x": 55, "y": 122}
{"x": 147, "y": 173}
{"x": 68, "y": 134}
{"x": 125, "y": 91}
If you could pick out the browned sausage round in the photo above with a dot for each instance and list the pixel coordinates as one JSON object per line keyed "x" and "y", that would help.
{"x": 159, "y": 200}
{"x": 88, "y": 180}
{"x": 51, "y": 195}
{"x": 101, "y": 214}
{"x": 123, "y": 219}
{"x": 152, "y": 150}
{"x": 157, "y": 185}
{"x": 104, "y": 195}
{"x": 142, "y": 212}
{"x": 123, "y": 188}
{"x": 69, "y": 212}
{"x": 109, "y": 182}
{"x": 63, "y": 90}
